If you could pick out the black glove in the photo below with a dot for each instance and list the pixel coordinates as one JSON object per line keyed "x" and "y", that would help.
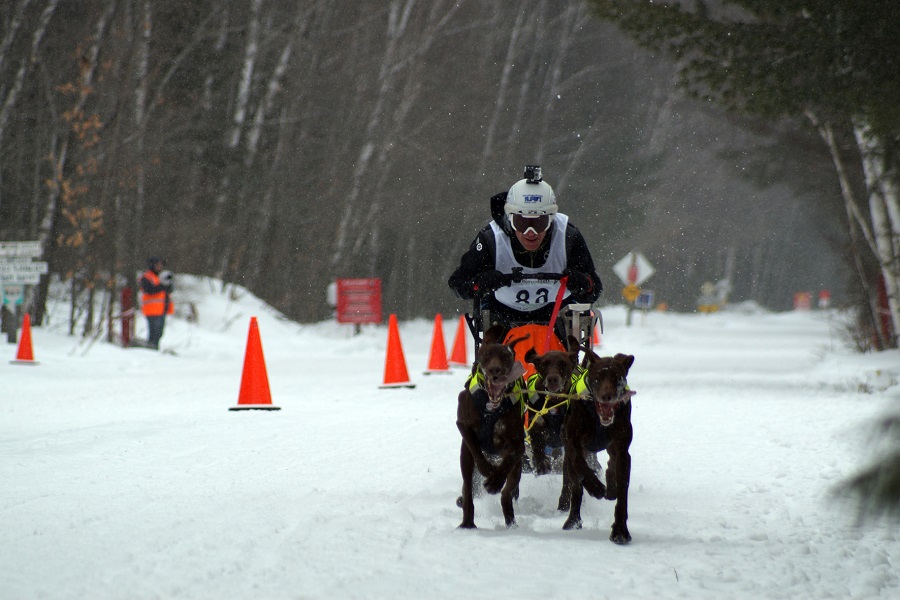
{"x": 578, "y": 282}
{"x": 490, "y": 281}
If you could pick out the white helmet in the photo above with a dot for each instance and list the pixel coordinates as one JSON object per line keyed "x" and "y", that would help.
{"x": 530, "y": 198}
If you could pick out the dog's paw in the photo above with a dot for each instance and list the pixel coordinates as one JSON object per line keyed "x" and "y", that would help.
{"x": 572, "y": 524}
{"x": 619, "y": 535}
{"x": 542, "y": 467}
{"x": 465, "y": 525}
{"x": 564, "y": 504}
{"x": 594, "y": 487}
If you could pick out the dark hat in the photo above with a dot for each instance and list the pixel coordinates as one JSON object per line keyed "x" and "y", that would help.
{"x": 151, "y": 262}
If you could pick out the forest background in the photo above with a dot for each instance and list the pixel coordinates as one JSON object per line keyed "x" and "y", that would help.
{"x": 281, "y": 144}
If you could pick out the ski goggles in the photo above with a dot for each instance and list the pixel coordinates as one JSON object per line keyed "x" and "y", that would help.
{"x": 538, "y": 223}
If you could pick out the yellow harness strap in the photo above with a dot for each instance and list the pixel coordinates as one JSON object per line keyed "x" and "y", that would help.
{"x": 533, "y": 394}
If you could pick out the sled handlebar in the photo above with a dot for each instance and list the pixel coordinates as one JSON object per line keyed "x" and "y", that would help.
{"x": 518, "y": 276}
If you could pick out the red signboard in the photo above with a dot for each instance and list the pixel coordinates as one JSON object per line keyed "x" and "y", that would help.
{"x": 359, "y": 300}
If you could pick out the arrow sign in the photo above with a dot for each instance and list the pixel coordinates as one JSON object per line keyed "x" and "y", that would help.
{"x": 634, "y": 269}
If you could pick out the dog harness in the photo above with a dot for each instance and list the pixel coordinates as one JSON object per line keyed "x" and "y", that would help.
{"x": 552, "y": 409}
{"x": 580, "y": 387}
{"x": 491, "y": 412}
{"x": 514, "y": 392}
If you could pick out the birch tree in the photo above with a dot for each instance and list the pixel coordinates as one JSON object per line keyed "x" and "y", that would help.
{"x": 10, "y": 95}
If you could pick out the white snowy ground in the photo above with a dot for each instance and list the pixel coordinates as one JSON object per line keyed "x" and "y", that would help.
{"x": 124, "y": 476}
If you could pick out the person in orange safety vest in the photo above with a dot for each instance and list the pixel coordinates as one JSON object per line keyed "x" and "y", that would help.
{"x": 156, "y": 285}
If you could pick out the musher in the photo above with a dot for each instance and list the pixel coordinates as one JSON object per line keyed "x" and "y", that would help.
{"x": 529, "y": 233}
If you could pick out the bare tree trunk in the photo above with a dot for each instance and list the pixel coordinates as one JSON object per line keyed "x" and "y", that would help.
{"x": 24, "y": 67}
{"x": 382, "y": 134}
{"x": 398, "y": 18}
{"x": 525, "y": 81}
{"x": 140, "y": 121}
{"x": 554, "y": 78}
{"x": 885, "y": 221}
{"x": 219, "y": 248}
{"x": 854, "y": 217}
{"x": 14, "y": 25}
{"x": 512, "y": 49}
{"x": 243, "y": 92}
{"x": 265, "y": 106}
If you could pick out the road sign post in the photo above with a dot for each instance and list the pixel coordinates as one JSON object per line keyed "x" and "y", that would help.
{"x": 633, "y": 269}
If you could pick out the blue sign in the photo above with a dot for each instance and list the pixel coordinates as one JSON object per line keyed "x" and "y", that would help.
{"x": 644, "y": 300}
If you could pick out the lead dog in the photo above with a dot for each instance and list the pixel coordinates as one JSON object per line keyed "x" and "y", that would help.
{"x": 600, "y": 420}
{"x": 489, "y": 419}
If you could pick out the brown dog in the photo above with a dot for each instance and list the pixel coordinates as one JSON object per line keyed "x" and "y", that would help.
{"x": 553, "y": 376}
{"x": 600, "y": 421}
{"x": 489, "y": 419}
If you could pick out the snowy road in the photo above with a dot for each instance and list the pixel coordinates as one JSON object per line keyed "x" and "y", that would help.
{"x": 125, "y": 476}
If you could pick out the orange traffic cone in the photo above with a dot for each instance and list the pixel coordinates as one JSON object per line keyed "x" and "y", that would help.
{"x": 254, "y": 394}
{"x": 437, "y": 361}
{"x": 458, "y": 357}
{"x": 25, "y": 354}
{"x": 395, "y": 373}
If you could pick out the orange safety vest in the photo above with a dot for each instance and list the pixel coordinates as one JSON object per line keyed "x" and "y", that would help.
{"x": 154, "y": 305}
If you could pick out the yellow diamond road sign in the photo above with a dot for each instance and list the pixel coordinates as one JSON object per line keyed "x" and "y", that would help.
{"x": 631, "y": 292}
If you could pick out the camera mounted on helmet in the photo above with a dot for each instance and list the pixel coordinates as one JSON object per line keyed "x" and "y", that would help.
{"x": 533, "y": 174}
{"x": 530, "y": 203}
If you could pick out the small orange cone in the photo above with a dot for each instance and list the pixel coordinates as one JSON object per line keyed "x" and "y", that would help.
{"x": 395, "y": 373}
{"x": 25, "y": 354}
{"x": 437, "y": 361}
{"x": 458, "y": 357}
{"x": 254, "y": 394}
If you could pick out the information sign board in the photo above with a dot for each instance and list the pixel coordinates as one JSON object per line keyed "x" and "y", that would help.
{"x": 23, "y": 278}
{"x": 20, "y": 249}
{"x": 359, "y": 300}
{"x": 17, "y": 267}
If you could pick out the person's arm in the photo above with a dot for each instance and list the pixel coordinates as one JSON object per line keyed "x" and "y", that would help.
{"x": 478, "y": 259}
{"x": 583, "y": 289}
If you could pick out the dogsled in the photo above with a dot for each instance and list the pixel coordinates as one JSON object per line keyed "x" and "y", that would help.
{"x": 577, "y": 321}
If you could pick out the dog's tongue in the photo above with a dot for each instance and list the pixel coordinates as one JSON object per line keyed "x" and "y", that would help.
{"x": 496, "y": 387}
{"x": 606, "y": 411}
